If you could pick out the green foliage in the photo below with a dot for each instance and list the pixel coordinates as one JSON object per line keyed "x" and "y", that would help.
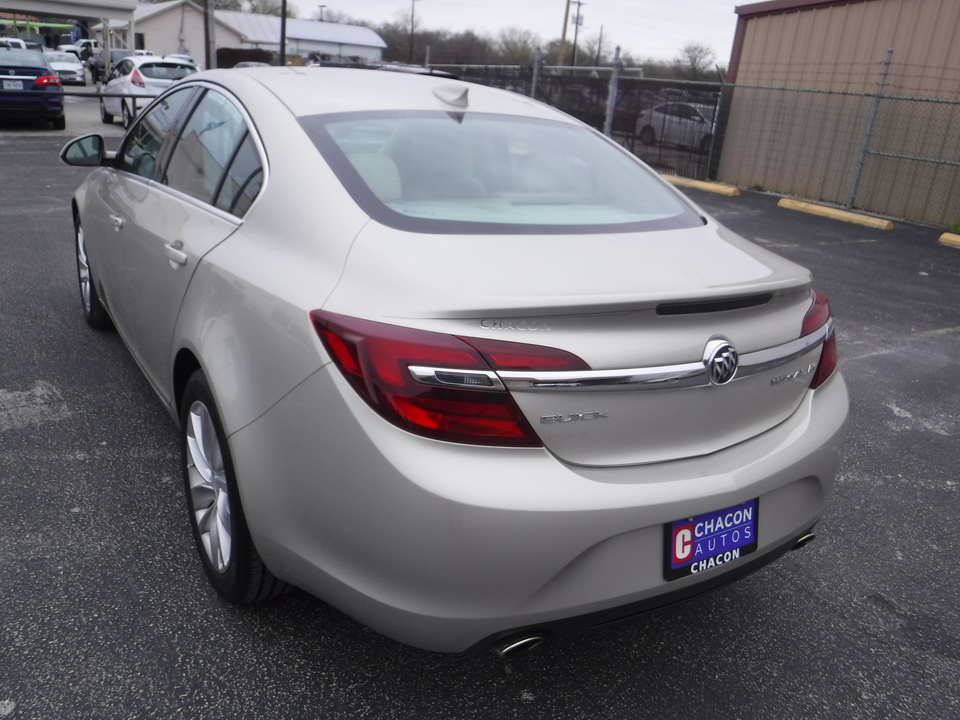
{"x": 955, "y": 227}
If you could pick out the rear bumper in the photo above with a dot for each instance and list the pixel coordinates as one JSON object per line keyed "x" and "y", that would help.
{"x": 46, "y": 105}
{"x": 445, "y": 546}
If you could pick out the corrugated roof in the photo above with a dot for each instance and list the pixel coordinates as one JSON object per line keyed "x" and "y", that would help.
{"x": 266, "y": 29}
{"x": 770, "y": 7}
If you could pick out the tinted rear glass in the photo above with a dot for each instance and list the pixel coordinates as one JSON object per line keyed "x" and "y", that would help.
{"x": 62, "y": 57}
{"x": 455, "y": 173}
{"x": 22, "y": 58}
{"x": 166, "y": 71}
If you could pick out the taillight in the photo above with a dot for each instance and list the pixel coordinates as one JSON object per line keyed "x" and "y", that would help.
{"x": 816, "y": 317}
{"x": 435, "y": 385}
{"x": 137, "y": 79}
{"x": 48, "y": 81}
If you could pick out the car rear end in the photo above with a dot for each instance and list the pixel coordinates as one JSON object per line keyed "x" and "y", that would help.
{"x": 553, "y": 393}
{"x": 153, "y": 76}
{"x": 30, "y": 87}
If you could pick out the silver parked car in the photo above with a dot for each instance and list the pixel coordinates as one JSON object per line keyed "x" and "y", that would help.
{"x": 135, "y": 81}
{"x": 68, "y": 67}
{"x": 678, "y": 123}
{"x": 451, "y": 360}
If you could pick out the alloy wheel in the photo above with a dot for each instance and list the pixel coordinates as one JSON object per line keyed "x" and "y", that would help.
{"x": 208, "y": 487}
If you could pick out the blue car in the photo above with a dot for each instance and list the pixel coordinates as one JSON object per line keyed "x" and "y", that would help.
{"x": 29, "y": 87}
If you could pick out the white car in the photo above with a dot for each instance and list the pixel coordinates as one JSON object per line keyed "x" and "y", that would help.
{"x": 450, "y": 359}
{"x": 678, "y": 123}
{"x": 135, "y": 81}
{"x": 68, "y": 67}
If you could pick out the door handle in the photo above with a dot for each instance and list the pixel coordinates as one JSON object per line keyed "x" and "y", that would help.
{"x": 117, "y": 222}
{"x": 174, "y": 254}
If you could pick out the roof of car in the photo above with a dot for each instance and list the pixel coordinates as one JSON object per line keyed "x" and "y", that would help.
{"x": 320, "y": 90}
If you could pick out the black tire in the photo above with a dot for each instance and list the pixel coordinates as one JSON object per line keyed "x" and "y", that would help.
{"x": 126, "y": 116}
{"x": 105, "y": 117}
{"x": 230, "y": 560}
{"x": 648, "y": 136}
{"x": 93, "y": 311}
{"x": 59, "y": 123}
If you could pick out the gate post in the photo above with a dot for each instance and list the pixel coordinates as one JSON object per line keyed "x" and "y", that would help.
{"x": 877, "y": 97}
{"x": 612, "y": 92}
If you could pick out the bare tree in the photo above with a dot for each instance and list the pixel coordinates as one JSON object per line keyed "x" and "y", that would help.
{"x": 337, "y": 16}
{"x": 270, "y": 7}
{"x": 694, "y": 61}
{"x": 516, "y": 46}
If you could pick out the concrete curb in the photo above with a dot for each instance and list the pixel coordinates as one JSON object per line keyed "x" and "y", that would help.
{"x": 950, "y": 239}
{"x": 835, "y": 214}
{"x": 728, "y": 190}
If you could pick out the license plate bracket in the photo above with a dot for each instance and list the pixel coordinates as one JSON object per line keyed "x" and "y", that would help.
{"x": 13, "y": 84}
{"x": 701, "y": 543}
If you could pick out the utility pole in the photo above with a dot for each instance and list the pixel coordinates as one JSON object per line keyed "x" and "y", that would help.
{"x": 563, "y": 37}
{"x": 413, "y": 14}
{"x": 577, "y": 22}
{"x": 596, "y": 62}
{"x": 321, "y": 12}
{"x": 210, "y": 35}
{"x": 283, "y": 33}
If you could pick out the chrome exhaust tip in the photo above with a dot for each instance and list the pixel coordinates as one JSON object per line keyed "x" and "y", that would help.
{"x": 804, "y": 539}
{"x": 508, "y": 648}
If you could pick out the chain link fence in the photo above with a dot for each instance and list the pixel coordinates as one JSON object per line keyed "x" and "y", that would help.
{"x": 885, "y": 152}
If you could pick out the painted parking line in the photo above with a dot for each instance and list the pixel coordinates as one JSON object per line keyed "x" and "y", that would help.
{"x": 719, "y": 188}
{"x": 835, "y": 214}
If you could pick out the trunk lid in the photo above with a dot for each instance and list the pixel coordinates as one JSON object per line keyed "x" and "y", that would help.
{"x": 640, "y": 309}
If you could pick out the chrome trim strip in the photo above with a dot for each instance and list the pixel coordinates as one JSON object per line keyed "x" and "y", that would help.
{"x": 657, "y": 378}
{"x": 447, "y": 377}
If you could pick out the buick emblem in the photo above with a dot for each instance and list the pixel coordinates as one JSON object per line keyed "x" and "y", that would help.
{"x": 720, "y": 359}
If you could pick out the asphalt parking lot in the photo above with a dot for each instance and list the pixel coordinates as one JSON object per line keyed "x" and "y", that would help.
{"x": 105, "y": 612}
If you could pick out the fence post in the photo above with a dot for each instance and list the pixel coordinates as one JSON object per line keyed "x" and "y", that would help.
{"x": 537, "y": 62}
{"x": 878, "y": 96}
{"x": 612, "y": 92}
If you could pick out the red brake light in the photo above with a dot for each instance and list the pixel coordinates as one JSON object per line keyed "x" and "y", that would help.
{"x": 816, "y": 317}
{"x": 137, "y": 79}
{"x": 375, "y": 358}
{"x": 48, "y": 81}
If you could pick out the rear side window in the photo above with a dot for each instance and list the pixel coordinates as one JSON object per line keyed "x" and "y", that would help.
{"x": 215, "y": 160}
{"x": 242, "y": 181}
{"x": 139, "y": 153}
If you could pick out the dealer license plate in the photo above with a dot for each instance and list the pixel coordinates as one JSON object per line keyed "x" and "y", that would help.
{"x": 13, "y": 84}
{"x": 702, "y": 543}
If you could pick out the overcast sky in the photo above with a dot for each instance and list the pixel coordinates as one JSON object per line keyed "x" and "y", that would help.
{"x": 645, "y": 28}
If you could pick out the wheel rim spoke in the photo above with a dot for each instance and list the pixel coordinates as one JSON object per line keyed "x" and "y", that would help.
{"x": 209, "y": 493}
{"x": 83, "y": 269}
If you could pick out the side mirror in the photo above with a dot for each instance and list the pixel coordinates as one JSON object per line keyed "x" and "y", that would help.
{"x": 86, "y": 151}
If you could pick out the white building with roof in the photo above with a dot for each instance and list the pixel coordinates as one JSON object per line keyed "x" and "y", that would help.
{"x": 305, "y": 37}
{"x": 176, "y": 26}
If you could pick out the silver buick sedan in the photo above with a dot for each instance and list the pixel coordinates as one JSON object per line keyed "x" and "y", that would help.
{"x": 449, "y": 359}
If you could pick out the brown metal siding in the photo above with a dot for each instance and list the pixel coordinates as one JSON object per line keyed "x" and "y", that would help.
{"x": 808, "y": 144}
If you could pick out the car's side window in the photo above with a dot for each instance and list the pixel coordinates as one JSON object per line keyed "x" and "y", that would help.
{"x": 215, "y": 160}
{"x": 139, "y": 152}
{"x": 243, "y": 179}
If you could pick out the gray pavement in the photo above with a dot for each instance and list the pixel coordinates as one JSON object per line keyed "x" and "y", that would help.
{"x": 105, "y": 612}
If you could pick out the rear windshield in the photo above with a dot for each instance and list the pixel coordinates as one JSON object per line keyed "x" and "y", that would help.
{"x": 456, "y": 173}
{"x": 22, "y": 58}
{"x": 62, "y": 57}
{"x": 166, "y": 71}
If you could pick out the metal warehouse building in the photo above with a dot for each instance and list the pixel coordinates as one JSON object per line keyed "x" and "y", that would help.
{"x": 853, "y": 102}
